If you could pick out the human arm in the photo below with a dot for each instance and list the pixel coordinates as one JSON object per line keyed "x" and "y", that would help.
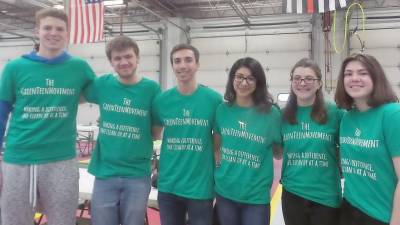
{"x": 395, "y": 219}
{"x": 216, "y": 135}
{"x": 90, "y": 92}
{"x": 391, "y": 123}
{"x": 5, "y": 109}
{"x": 277, "y": 151}
{"x": 82, "y": 99}
{"x": 277, "y": 148}
{"x": 217, "y": 149}
{"x": 156, "y": 132}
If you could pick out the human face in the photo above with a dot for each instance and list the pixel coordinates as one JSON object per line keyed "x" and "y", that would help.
{"x": 52, "y": 34}
{"x": 305, "y": 85}
{"x": 357, "y": 82}
{"x": 244, "y": 83}
{"x": 184, "y": 65}
{"x": 125, "y": 63}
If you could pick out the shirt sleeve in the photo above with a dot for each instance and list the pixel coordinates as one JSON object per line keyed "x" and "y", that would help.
{"x": 216, "y": 128}
{"x": 391, "y": 124}
{"x": 217, "y": 100}
{"x": 339, "y": 113}
{"x": 7, "y": 84}
{"x": 90, "y": 92}
{"x": 276, "y": 125}
{"x": 90, "y": 75}
{"x": 156, "y": 120}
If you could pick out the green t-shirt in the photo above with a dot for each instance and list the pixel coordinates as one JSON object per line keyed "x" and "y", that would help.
{"x": 247, "y": 136}
{"x": 368, "y": 143}
{"x": 310, "y": 167}
{"x": 124, "y": 145}
{"x": 45, "y": 97}
{"x": 187, "y": 159}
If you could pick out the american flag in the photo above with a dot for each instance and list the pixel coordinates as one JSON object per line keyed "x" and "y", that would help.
{"x": 312, "y": 6}
{"x": 86, "y": 21}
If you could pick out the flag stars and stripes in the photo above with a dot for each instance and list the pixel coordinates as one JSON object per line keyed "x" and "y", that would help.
{"x": 86, "y": 20}
{"x": 312, "y": 6}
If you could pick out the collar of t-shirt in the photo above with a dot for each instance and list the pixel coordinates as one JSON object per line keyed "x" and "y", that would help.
{"x": 56, "y": 60}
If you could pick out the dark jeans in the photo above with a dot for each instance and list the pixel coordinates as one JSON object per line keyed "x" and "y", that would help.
{"x": 299, "y": 211}
{"x": 350, "y": 215}
{"x": 173, "y": 210}
{"x": 236, "y": 213}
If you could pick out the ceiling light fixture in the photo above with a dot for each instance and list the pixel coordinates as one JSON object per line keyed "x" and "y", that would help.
{"x": 58, "y": 6}
{"x": 113, "y": 2}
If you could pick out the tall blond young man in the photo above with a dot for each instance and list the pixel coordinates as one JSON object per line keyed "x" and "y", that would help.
{"x": 121, "y": 161}
{"x": 42, "y": 91}
{"x": 185, "y": 182}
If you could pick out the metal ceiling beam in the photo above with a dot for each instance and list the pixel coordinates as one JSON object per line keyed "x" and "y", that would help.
{"x": 214, "y": 7}
{"x": 170, "y": 12}
{"x": 162, "y": 18}
{"x": 172, "y": 5}
{"x": 6, "y": 29}
{"x": 17, "y": 18}
{"x": 36, "y": 3}
{"x": 157, "y": 32}
{"x": 243, "y": 8}
{"x": 240, "y": 12}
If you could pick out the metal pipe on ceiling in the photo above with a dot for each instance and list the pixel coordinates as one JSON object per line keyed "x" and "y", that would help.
{"x": 157, "y": 32}
{"x": 244, "y": 8}
{"x": 37, "y": 3}
{"x": 17, "y": 18}
{"x": 172, "y": 5}
{"x": 162, "y": 18}
{"x": 250, "y": 25}
{"x": 7, "y": 27}
{"x": 165, "y": 7}
{"x": 239, "y": 12}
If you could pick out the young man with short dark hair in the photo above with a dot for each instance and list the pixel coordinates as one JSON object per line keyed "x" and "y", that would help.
{"x": 42, "y": 90}
{"x": 185, "y": 182}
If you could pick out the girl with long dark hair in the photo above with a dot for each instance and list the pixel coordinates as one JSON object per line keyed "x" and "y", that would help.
{"x": 247, "y": 128}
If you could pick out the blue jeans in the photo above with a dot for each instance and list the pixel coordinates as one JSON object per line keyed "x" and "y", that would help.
{"x": 173, "y": 210}
{"x": 120, "y": 201}
{"x": 235, "y": 213}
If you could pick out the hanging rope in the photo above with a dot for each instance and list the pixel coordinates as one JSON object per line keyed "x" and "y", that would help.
{"x": 346, "y": 27}
{"x": 328, "y": 83}
{"x": 328, "y": 64}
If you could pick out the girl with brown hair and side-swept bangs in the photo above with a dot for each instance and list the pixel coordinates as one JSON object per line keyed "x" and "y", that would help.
{"x": 382, "y": 91}
{"x": 369, "y": 143}
{"x": 318, "y": 112}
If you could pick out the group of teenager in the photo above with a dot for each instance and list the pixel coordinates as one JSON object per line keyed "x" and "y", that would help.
{"x": 215, "y": 151}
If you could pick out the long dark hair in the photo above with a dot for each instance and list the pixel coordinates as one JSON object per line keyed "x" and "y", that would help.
{"x": 261, "y": 97}
{"x": 318, "y": 113}
{"x": 382, "y": 92}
